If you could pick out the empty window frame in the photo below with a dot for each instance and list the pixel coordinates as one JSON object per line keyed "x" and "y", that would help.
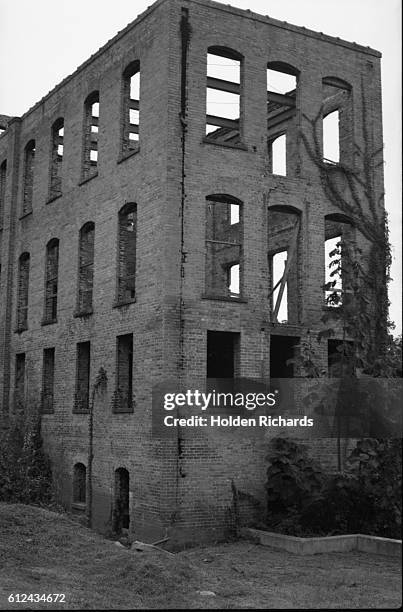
{"x": 223, "y": 354}
{"x": 224, "y": 246}
{"x": 282, "y": 82}
{"x": 3, "y": 176}
{"x": 277, "y": 149}
{"x": 28, "y": 177}
{"x": 131, "y": 108}
{"x": 124, "y": 374}
{"x": 127, "y": 239}
{"x": 83, "y": 363}
{"x": 337, "y": 121}
{"x": 91, "y": 127}
{"x": 51, "y": 281}
{"x": 284, "y": 264}
{"x": 23, "y": 291}
{"x": 56, "y": 158}
{"x": 223, "y": 96}
{"x": 79, "y": 483}
{"x": 339, "y": 240}
{"x": 86, "y": 268}
{"x": 48, "y": 380}
{"x": 19, "y": 383}
{"x": 282, "y": 350}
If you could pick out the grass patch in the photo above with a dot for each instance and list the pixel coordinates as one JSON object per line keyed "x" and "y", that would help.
{"x": 46, "y": 552}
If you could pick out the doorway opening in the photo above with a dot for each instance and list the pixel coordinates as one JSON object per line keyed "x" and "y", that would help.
{"x": 121, "y": 514}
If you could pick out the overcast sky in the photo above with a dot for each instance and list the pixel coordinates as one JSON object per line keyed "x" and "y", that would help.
{"x": 42, "y": 41}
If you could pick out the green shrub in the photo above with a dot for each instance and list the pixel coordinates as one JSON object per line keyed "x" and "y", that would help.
{"x": 365, "y": 498}
{"x": 25, "y": 473}
{"x": 293, "y": 477}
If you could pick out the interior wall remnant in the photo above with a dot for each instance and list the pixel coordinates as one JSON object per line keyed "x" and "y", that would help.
{"x": 284, "y": 261}
{"x": 224, "y": 237}
{"x": 282, "y": 118}
{"x": 223, "y": 96}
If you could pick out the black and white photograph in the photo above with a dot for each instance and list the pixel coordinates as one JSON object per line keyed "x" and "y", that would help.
{"x": 200, "y": 305}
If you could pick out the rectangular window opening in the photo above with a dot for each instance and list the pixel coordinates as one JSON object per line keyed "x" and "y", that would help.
{"x": 81, "y": 403}
{"x": 48, "y": 377}
{"x": 282, "y": 350}
{"x": 222, "y": 354}
{"x": 19, "y": 386}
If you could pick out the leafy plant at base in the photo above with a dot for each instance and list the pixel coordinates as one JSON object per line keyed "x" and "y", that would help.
{"x": 292, "y": 477}
{"x": 25, "y": 472}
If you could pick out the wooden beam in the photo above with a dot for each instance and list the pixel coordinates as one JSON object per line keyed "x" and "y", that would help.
{"x": 282, "y": 99}
{"x": 223, "y": 85}
{"x": 223, "y": 122}
{"x": 290, "y": 257}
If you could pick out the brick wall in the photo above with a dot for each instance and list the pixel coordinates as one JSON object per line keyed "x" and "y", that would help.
{"x": 181, "y": 483}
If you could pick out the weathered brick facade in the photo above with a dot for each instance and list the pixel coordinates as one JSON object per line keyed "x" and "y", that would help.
{"x": 181, "y": 483}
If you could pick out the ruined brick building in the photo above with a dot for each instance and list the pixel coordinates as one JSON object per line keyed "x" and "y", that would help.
{"x": 154, "y": 234}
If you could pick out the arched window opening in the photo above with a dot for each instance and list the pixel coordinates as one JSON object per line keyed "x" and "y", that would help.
{"x": 86, "y": 268}
{"x": 284, "y": 264}
{"x": 123, "y": 400}
{"x": 91, "y": 136}
{"x": 331, "y": 144}
{"x": 278, "y": 155}
{"x": 56, "y": 161}
{"x": 51, "y": 281}
{"x": 131, "y": 108}
{"x": 19, "y": 383}
{"x": 3, "y": 175}
{"x": 22, "y": 294}
{"x": 337, "y": 124}
{"x": 48, "y": 380}
{"x": 28, "y": 180}
{"x": 121, "y": 510}
{"x": 223, "y": 96}
{"x": 224, "y": 237}
{"x": 282, "y": 83}
{"x": 79, "y": 483}
{"x": 126, "y": 291}
{"x": 339, "y": 242}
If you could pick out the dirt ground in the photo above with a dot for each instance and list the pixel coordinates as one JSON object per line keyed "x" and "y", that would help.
{"x": 43, "y": 552}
